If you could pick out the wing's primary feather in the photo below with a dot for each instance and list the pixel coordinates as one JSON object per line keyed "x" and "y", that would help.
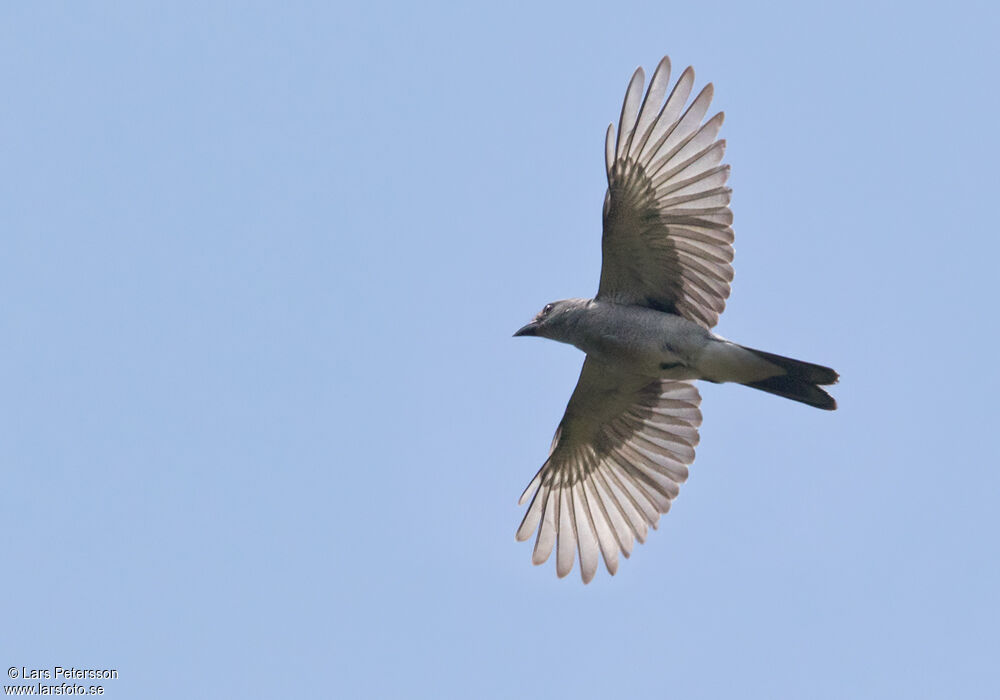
{"x": 667, "y": 240}
{"x": 617, "y": 462}
{"x": 630, "y": 109}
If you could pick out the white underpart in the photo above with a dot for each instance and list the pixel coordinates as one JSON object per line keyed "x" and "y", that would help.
{"x": 722, "y": 361}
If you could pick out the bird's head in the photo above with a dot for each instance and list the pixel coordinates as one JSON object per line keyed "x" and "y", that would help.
{"x": 554, "y": 320}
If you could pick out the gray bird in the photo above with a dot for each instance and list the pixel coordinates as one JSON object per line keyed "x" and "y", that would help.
{"x": 630, "y": 429}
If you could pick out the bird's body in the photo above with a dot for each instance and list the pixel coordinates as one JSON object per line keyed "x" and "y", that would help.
{"x": 654, "y": 344}
{"x": 649, "y": 342}
{"x": 629, "y": 432}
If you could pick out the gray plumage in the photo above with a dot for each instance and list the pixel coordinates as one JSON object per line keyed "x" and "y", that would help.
{"x": 624, "y": 445}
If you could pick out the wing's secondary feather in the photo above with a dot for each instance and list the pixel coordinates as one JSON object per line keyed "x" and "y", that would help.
{"x": 620, "y": 455}
{"x": 667, "y": 240}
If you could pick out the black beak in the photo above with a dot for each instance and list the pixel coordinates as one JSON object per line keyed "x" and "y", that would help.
{"x": 529, "y": 329}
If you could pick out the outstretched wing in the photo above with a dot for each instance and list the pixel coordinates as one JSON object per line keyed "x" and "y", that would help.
{"x": 617, "y": 461}
{"x": 667, "y": 240}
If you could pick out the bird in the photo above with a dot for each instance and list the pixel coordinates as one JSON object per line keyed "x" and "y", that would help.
{"x": 628, "y": 436}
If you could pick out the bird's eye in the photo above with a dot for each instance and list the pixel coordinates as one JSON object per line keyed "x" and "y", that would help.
{"x": 547, "y": 309}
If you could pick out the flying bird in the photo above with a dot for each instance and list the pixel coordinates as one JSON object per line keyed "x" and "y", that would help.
{"x": 628, "y": 435}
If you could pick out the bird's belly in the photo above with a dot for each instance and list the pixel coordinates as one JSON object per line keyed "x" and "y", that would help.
{"x": 649, "y": 356}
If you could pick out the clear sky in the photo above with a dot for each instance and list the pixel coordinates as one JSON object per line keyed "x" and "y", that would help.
{"x": 263, "y": 426}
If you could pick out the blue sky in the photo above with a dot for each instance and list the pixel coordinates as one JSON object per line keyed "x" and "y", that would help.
{"x": 263, "y": 426}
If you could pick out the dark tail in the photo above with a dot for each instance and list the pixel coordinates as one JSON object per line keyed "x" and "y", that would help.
{"x": 800, "y": 382}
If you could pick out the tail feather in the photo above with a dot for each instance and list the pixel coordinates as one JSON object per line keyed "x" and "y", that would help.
{"x": 800, "y": 382}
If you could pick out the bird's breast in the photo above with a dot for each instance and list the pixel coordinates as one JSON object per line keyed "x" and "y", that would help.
{"x": 644, "y": 341}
